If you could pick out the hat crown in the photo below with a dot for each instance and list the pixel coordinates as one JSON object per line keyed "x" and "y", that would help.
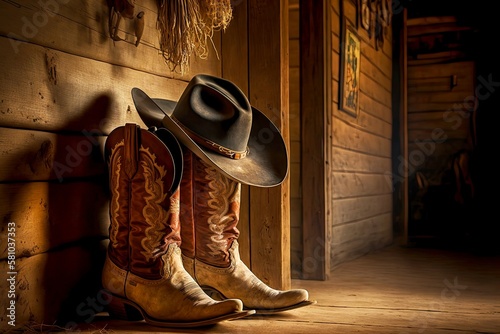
{"x": 215, "y": 109}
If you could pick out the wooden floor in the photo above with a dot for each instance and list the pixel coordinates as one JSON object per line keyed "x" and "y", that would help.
{"x": 396, "y": 290}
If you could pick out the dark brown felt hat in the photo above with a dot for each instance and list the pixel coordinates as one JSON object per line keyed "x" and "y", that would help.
{"x": 214, "y": 119}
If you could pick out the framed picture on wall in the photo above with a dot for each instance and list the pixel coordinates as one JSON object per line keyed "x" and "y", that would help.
{"x": 349, "y": 70}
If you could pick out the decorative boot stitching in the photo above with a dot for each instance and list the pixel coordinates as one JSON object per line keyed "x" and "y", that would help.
{"x": 154, "y": 214}
{"x": 115, "y": 163}
{"x": 223, "y": 192}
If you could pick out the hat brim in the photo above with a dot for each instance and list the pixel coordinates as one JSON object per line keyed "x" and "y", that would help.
{"x": 266, "y": 164}
{"x": 175, "y": 150}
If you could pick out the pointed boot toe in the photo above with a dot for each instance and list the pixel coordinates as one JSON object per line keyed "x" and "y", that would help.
{"x": 237, "y": 281}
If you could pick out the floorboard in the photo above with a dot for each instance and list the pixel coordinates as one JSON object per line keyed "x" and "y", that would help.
{"x": 395, "y": 290}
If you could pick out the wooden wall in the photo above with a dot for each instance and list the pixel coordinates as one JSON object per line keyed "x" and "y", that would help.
{"x": 345, "y": 186}
{"x": 65, "y": 85}
{"x": 361, "y": 148}
{"x": 343, "y": 193}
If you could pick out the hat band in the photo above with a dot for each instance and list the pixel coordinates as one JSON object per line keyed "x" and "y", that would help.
{"x": 236, "y": 155}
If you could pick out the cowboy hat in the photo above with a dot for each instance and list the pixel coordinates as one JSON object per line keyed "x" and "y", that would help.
{"x": 214, "y": 119}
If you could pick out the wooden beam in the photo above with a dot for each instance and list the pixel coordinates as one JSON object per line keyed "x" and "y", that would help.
{"x": 404, "y": 125}
{"x": 435, "y": 29}
{"x": 430, "y": 20}
{"x": 315, "y": 62}
{"x": 269, "y": 92}
{"x": 234, "y": 59}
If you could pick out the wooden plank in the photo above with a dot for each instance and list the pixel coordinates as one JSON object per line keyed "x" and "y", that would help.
{"x": 294, "y": 324}
{"x": 436, "y": 29}
{"x": 437, "y": 107}
{"x": 296, "y": 248}
{"x": 28, "y": 155}
{"x": 60, "y": 287}
{"x": 450, "y": 54}
{"x": 361, "y": 238}
{"x": 295, "y": 152}
{"x": 427, "y": 20}
{"x": 356, "y": 139}
{"x": 86, "y": 34}
{"x": 295, "y": 128}
{"x": 440, "y": 86}
{"x": 315, "y": 95}
{"x": 50, "y": 215}
{"x": 335, "y": 30}
{"x": 294, "y": 53}
{"x": 375, "y": 107}
{"x": 335, "y": 69}
{"x": 376, "y": 123}
{"x": 295, "y": 180}
{"x": 463, "y": 98}
{"x": 347, "y": 185}
{"x": 234, "y": 58}
{"x": 456, "y": 117}
{"x": 431, "y": 61}
{"x": 384, "y": 50}
{"x": 68, "y": 102}
{"x": 375, "y": 74}
{"x": 293, "y": 19}
{"x": 347, "y": 160}
{"x": 362, "y": 233}
{"x": 334, "y": 93}
{"x": 375, "y": 90}
{"x": 294, "y": 104}
{"x": 294, "y": 84}
{"x": 348, "y": 10}
{"x": 384, "y": 63}
{"x": 354, "y": 209}
{"x": 388, "y": 43}
{"x": 273, "y": 325}
{"x": 461, "y": 69}
{"x": 444, "y": 134}
{"x": 374, "y": 115}
{"x": 296, "y": 252}
{"x": 269, "y": 92}
{"x": 447, "y": 121}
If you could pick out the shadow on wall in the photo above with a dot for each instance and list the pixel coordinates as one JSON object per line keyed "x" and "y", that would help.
{"x": 61, "y": 223}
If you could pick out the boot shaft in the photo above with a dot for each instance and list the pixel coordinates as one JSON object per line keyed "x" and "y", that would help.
{"x": 210, "y": 208}
{"x": 144, "y": 201}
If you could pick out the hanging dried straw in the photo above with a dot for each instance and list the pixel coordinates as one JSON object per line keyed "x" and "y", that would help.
{"x": 186, "y": 26}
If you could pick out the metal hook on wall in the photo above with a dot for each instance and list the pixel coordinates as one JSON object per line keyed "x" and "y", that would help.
{"x": 124, "y": 8}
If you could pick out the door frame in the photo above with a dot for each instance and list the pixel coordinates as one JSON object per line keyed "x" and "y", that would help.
{"x": 316, "y": 145}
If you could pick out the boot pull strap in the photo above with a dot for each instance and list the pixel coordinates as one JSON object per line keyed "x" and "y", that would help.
{"x": 131, "y": 148}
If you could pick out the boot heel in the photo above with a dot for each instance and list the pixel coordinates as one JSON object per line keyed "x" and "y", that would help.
{"x": 120, "y": 309}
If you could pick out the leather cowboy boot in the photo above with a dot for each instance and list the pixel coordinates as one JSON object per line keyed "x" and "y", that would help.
{"x": 143, "y": 271}
{"x": 210, "y": 205}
